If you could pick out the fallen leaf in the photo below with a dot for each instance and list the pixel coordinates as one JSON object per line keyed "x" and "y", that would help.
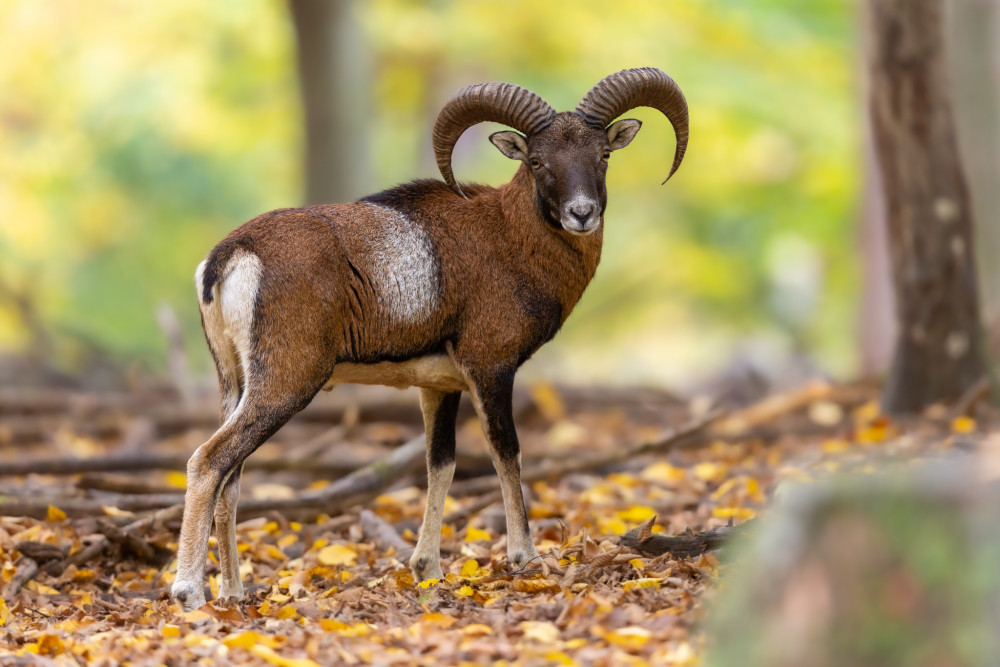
{"x": 338, "y": 554}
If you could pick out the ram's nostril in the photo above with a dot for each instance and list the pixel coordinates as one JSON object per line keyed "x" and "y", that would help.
{"x": 581, "y": 212}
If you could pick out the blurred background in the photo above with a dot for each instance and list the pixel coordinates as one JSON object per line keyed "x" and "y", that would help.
{"x": 134, "y": 136}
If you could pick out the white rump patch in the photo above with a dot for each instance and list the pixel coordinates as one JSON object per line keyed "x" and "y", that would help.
{"x": 403, "y": 267}
{"x": 229, "y": 317}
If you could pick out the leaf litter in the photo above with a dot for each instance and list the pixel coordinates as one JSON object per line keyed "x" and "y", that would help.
{"x": 610, "y": 587}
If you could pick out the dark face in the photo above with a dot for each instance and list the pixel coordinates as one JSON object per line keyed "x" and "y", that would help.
{"x": 569, "y": 161}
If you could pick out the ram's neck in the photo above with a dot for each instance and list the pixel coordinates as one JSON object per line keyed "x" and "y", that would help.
{"x": 560, "y": 261}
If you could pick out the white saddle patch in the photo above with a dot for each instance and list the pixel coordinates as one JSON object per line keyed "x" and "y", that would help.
{"x": 403, "y": 267}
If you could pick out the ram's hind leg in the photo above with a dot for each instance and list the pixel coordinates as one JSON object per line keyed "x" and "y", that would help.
{"x": 273, "y": 386}
{"x": 230, "y": 586}
{"x": 439, "y": 410}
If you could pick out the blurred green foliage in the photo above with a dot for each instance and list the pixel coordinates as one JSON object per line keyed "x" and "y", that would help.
{"x": 134, "y": 136}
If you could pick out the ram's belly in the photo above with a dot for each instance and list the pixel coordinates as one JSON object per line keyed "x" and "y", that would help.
{"x": 436, "y": 371}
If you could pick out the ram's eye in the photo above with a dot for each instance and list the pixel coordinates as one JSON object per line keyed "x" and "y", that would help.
{"x": 535, "y": 163}
{"x": 606, "y": 155}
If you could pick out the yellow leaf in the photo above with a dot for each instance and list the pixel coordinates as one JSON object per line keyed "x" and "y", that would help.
{"x": 725, "y": 488}
{"x": 612, "y": 526}
{"x": 171, "y": 631}
{"x": 112, "y": 511}
{"x": 439, "y": 619}
{"x": 630, "y": 638}
{"x": 83, "y": 576}
{"x": 476, "y": 534}
{"x": 4, "y": 612}
{"x": 50, "y": 645}
{"x": 286, "y": 612}
{"x": 543, "y": 632}
{"x": 663, "y": 472}
{"x": 836, "y": 445}
{"x": 477, "y": 630}
{"x": 469, "y": 568}
{"x": 338, "y": 554}
{"x": 708, "y": 471}
{"x": 963, "y": 424}
{"x": 873, "y": 434}
{"x": 540, "y": 585}
{"x": 36, "y": 587}
{"x": 56, "y": 514}
{"x": 637, "y": 514}
{"x": 465, "y": 591}
{"x": 248, "y": 639}
{"x": 560, "y": 658}
{"x": 176, "y": 479}
{"x": 647, "y": 582}
{"x": 356, "y": 630}
{"x": 427, "y": 583}
{"x": 741, "y": 513}
{"x": 288, "y": 540}
{"x": 269, "y": 655}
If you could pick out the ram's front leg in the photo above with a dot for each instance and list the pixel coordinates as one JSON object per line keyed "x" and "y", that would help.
{"x": 439, "y": 411}
{"x": 492, "y": 396}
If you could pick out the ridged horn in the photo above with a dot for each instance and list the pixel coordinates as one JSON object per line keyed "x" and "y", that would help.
{"x": 498, "y": 102}
{"x": 642, "y": 87}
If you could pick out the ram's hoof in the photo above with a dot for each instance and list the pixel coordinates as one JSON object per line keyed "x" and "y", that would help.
{"x": 189, "y": 595}
{"x": 426, "y": 567}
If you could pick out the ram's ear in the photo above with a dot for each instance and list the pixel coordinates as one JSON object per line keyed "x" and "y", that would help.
{"x": 511, "y": 144}
{"x": 620, "y": 134}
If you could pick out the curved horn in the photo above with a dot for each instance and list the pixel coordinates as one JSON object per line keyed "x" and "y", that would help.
{"x": 505, "y": 103}
{"x": 642, "y": 87}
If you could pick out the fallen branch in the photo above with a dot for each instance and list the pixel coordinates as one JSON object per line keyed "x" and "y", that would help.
{"x": 685, "y": 545}
{"x": 774, "y": 407}
{"x": 377, "y": 530}
{"x": 357, "y": 488}
{"x": 37, "y": 507}
{"x": 122, "y": 484}
{"x": 143, "y": 462}
{"x": 666, "y": 441}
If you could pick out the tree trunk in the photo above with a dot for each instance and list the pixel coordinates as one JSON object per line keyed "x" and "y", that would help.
{"x": 938, "y": 351}
{"x": 334, "y": 85}
{"x": 974, "y": 45}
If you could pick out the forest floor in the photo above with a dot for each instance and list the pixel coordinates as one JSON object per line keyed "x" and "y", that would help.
{"x": 88, "y": 550}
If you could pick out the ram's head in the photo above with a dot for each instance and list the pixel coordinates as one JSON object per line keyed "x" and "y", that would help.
{"x": 566, "y": 153}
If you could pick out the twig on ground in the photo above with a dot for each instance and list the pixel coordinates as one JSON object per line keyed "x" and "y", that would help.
{"x": 463, "y": 514}
{"x": 966, "y": 405}
{"x": 127, "y": 540}
{"x": 27, "y": 568}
